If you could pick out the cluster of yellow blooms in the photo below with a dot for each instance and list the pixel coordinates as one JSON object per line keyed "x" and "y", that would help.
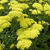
{"x": 47, "y": 9}
{"x": 3, "y": 1}
{"x": 28, "y": 33}
{"x": 25, "y": 22}
{"x": 1, "y": 7}
{"x": 16, "y": 7}
{"x": 24, "y": 43}
{"x": 25, "y": 32}
{"x": 3, "y": 19}
{"x": 43, "y": 22}
{"x": 39, "y": 8}
{"x": 12, "y": 45}
{"x": 4, "y": 24}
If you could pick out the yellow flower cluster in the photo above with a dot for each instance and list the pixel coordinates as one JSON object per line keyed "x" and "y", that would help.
{"x": 39, "y": 8}
{"x": 14, "y": 5}
{"x": 3, "y": 1}
{"x": 16, "y": 11}
{"x": 5, "y": 20}
{"x": 23, "y": 33}
{"x": 18, "y": 7}
{"x": 35, "y": 12}
{"x": 43, "y": 22}
{"x": 29, "y": 28}
{"x": 24, "y": 43}
{"x": 1, "y": 7}
{"x": 4, "y": 24}
{"x": 47, "y": 9}
{"x": 12, "y": 45}
{"x": 25, "y": 22}
{"x": 29, "y": 33}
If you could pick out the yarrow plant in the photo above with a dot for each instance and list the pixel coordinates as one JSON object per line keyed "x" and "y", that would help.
{"x": 22, "y": 23}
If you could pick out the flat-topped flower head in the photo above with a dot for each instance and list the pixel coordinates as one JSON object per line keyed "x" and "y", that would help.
{"x": 24, "y": 43}
{"x": 38, "y": 6}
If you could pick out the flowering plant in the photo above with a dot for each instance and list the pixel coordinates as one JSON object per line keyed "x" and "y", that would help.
{"x": 24, "y": 24}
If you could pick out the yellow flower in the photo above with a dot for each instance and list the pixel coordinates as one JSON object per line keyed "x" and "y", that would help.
{"x": 1, "y": 29}
{"x": 37, "y": 26}
{"x": 43, "y": 22}
{"x": 24, "y": 43}
{"x": 39, "y": 22}
{"x": 12, "y": 45}
{"x": 28, "y": 34}
{"x": 14, "y": 5}
{"x": 30, "y": 9}
{"x": 38, "y": 6}
{"x": 3, "y": 1}
{"x": 24, "y": 6}
{"x": 1, "y": 7}
{"x": 46, "y": 7}
{"x": 38, "y": 12}
{"x": 4, "y": 24}
{"x": 34, "y": 12}
{"x": 7, "y": 17}
{"x": 40, "y": 1}
{"x": 26, "y": 22}
{"x": 31, "y": 32}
